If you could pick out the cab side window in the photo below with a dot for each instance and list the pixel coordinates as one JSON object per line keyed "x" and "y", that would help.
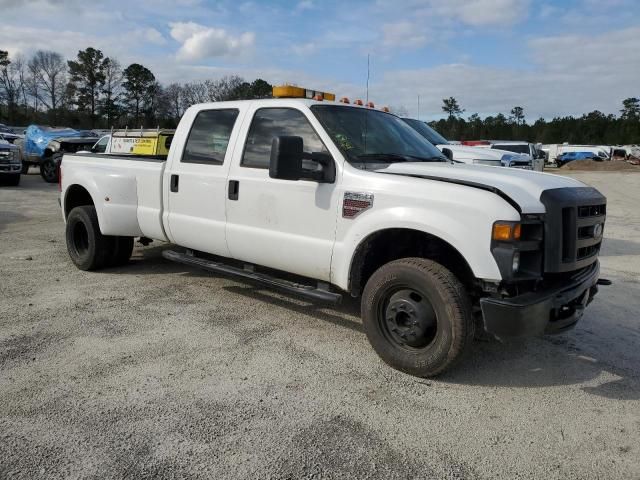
{"x": 209, "y": 137}
{"x": 101, "y": 146}
{"x": 269, "y": 123}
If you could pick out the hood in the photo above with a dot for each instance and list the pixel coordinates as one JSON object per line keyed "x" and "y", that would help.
{"x": 467, "y": 154}
{"x": 522, "y": 187}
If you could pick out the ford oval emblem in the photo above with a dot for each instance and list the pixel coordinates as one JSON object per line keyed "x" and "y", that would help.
{"x": 597, "y": 230}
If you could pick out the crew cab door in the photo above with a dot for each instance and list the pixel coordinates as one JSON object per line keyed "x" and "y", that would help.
{"x": 282, "y": 224}
{"x": 196, "y": 181}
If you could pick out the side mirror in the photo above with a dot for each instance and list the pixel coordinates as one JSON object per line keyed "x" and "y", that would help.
{"x": 448, "y": 153}
{"x": 289, "y": 161}
{"x": 286, "y": 158}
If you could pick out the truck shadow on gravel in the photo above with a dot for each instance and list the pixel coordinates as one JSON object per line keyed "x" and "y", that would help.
{"x": 533, "y": 363}
{"x": 613, "y": 247}
{"x": 541, "y": 362}
{"x": 329, "y": 314}
{"x": 7, "y": 218}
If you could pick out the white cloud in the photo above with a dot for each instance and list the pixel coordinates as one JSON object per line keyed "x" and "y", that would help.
{"x": 476, "y": 13}
{"x": 305, "y": 5}
{"x": 304, "y": 49}
{"x": 483, "y": 12}
{"x": 200, "y": 42}
{"x": 152, "y": 35}
{"x": 570, "y": 75}
{"x": 403, "y": 34}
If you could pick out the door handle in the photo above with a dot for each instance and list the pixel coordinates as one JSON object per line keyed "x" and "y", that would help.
{"x": 174, "y": 183}
{"x": 234, "y": 189}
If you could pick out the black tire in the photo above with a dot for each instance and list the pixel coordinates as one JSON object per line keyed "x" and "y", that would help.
{"x": 48, "y": 170}
{"x": 88, "y": 248}
{"x": 10, "y": 180}
{"x": 417, "y": 316}
{"x": 25, "y": 168}
{"x": 121, "y": 253}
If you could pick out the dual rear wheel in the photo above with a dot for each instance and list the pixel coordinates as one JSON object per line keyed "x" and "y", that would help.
{"x": 88, "y": 248}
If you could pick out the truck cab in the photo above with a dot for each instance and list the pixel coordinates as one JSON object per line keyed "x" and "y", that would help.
{"x": 324, "y": 199}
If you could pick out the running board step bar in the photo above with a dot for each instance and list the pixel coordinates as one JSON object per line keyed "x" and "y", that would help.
{"x": 306, "y": 291}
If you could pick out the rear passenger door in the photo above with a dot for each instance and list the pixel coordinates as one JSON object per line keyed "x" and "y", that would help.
{"x": 196, "y": 180}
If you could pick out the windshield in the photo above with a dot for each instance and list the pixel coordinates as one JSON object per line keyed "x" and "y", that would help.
{"x": 426, "y": 131}
{"x": 509, "y": 147}
{"x": 373, "y": 139}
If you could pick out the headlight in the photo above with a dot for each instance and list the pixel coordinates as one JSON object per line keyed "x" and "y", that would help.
{"x": 14, "y": 157}
{"x": 491, "y": 163}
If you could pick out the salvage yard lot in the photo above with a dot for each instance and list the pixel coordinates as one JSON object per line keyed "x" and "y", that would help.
{"x": 159, "y": 370}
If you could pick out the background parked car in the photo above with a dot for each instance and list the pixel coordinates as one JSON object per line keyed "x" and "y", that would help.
{"x": 45, "y": 146}
{"x": 10, "y": 165}
{"x": 572, "y": 156}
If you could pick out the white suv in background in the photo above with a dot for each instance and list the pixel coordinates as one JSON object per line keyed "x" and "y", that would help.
{"x": 468, "y": 154}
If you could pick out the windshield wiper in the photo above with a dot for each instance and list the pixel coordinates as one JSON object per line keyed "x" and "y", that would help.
{"x": 396, "y": 157}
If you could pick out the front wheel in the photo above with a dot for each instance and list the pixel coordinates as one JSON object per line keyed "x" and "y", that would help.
{"x": 49, "y": 170}
{"x": 417, "y": 316}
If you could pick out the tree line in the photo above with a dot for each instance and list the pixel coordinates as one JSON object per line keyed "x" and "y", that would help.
{"x": 94, "y": 91}
{"x": 593, "y": 128}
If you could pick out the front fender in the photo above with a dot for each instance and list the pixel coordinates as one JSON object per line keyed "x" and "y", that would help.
{"x": 468, "y": 232}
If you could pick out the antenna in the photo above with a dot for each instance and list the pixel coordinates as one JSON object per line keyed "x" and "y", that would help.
{"x": 367, "y": 78}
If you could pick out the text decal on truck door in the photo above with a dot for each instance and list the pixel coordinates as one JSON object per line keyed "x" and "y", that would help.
{"x": 356, "y": 203}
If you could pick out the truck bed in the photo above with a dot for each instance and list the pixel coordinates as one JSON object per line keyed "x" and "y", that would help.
{"x": 126, "y": 190}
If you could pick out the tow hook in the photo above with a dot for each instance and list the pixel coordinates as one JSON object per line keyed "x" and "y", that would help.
{"x": 604, "y": 281}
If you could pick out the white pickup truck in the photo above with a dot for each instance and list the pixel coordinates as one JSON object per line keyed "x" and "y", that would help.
{"x": 323, "y": 199}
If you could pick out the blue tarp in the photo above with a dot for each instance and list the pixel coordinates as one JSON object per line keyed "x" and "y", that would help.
{"x": 37, "y": 138}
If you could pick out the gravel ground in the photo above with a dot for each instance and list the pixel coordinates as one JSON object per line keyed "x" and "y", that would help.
{"x": 159, "y": 370}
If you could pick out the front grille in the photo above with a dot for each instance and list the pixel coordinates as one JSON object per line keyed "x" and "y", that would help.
{"x": 573, "y": 227}
{"x": 592, "y": 211}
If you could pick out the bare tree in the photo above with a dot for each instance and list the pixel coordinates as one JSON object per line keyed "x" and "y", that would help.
{"x": 173, "y": 95}
{"x": 50, "y": 69}
{"x": 223, "y": 89}
{"x": 192, "y": 93}
{"x": 34, "y": 83}
{"x": 111, "y": 90}
{"x": 11, "y": 83}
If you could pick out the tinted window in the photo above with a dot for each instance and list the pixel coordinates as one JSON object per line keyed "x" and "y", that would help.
{"x": 511, "y": 147}
{"x": 209, "y": 137}
{"x": 426, "y": 131}
{"x": 101, "y": 146}
{"x": 269, "y": 123}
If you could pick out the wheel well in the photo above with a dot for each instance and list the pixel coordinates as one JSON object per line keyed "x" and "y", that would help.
{"x": 75, "y": 197}
{"x": 387, "y": 245}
